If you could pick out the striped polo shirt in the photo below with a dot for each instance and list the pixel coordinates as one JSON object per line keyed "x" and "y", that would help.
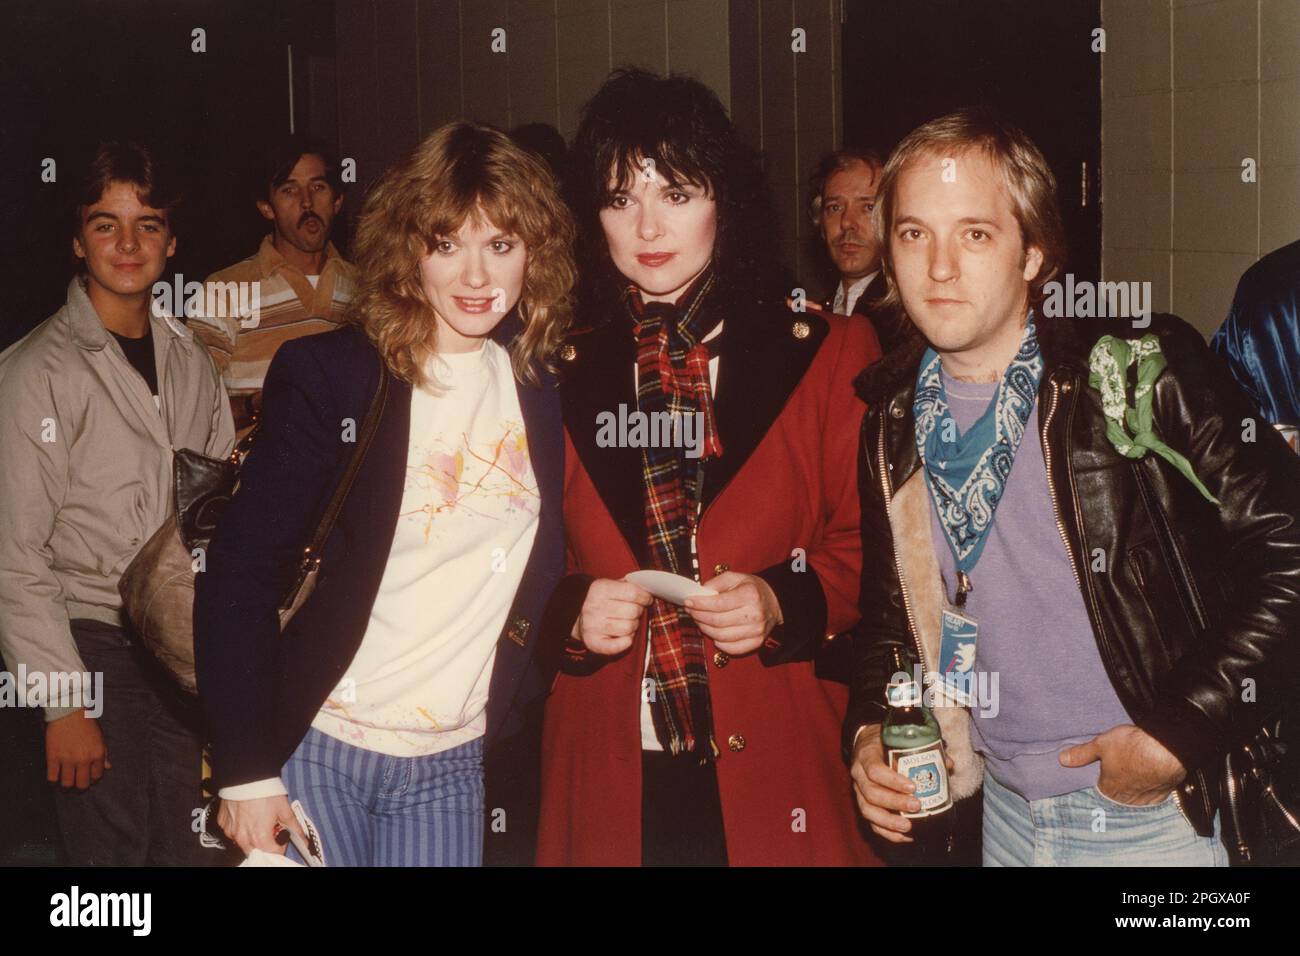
{"x": 243, "y": 341}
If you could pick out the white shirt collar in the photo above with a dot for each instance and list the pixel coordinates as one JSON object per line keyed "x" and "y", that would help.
{"x": 844, "y": 304}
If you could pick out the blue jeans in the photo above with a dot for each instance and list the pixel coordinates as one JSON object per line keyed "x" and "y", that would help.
{"x": 1087, "y": 828}
{"x": 375, "y": 810}
{"x": 139, "y": 814}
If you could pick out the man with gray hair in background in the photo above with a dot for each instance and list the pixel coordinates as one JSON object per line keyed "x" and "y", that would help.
{"x": 843, "y": 195}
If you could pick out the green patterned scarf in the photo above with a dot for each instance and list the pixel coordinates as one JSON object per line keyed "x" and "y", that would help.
{"x": 1131, "y": 429}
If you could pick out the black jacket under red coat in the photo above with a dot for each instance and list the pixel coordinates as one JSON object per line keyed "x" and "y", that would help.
{"x": 1195, "y": 598}
{"x": 260, "y": 689}
{"x": 893, "y": 328}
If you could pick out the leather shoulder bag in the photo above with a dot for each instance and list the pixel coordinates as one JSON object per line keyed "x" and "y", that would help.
{"x": 157, "y": 587}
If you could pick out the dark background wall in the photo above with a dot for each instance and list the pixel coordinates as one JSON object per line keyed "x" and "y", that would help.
{"x": 377, "y": 75}
{"x": 1032, "y": 61}
{"x": 407, "y": 66}
{"x": 72, "y": 73}
{"x": 75, "y": 72}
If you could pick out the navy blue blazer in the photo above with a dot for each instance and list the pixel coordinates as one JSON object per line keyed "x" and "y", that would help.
{"x": 260, "y": 689}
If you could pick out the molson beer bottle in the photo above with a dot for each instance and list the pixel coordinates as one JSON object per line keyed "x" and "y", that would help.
{"x": 913, "y": 746}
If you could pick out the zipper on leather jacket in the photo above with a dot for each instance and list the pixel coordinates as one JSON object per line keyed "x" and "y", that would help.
{"x": 1269, "y": 792}
{"x": 1232, "y": 805}
{"x": 1044, "y": 425}
{"x": 1086, "y": 590}
{"x": 1231, "y": 798}
{"x": 887, "y": 488}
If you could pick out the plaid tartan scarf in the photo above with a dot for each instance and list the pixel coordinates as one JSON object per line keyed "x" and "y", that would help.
{"x": 673, "y": 377}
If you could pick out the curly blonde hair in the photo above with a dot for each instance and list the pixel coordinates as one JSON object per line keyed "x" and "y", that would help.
{"x": 462, "y": 171}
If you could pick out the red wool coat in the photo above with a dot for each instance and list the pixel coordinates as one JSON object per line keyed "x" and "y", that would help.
{"x": 787, "y": 479}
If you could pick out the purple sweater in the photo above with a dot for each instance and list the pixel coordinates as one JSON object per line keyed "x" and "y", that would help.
{"x": 1034, "y": 632}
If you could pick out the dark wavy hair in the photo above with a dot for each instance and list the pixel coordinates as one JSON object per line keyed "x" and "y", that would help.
{"x": 278, "y": 160}
{"x": 679, "y": 123}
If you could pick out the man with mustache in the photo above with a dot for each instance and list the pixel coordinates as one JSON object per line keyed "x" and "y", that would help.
{"x": 303, "y": 285}
{"x": 844, "y": 193}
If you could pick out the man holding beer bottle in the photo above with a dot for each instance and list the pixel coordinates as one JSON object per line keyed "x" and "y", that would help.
{"x": 1086, "y": 556}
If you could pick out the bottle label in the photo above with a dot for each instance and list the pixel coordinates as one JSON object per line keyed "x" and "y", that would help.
{"x": 924, "y": 767}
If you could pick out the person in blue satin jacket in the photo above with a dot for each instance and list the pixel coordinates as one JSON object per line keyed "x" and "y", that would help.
{"x": 1260, "y": 339}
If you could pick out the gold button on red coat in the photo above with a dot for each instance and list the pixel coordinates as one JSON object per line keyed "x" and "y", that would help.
{"x": 720, "y": 659}
{"x": 736, "y": 743}
{"x": 720, "y": 568}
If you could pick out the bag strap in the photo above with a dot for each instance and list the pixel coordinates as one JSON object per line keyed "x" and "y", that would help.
{"x": 244, "y": 446}
{"x": 311, "y": 555}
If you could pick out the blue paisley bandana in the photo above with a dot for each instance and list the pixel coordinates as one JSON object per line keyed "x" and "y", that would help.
{"x": 967, "y": 474}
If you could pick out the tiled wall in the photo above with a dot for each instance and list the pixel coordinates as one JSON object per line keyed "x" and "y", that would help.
{"x": 407, "y": 66}
{"x": 789, "y": 106}
{"x": 1191, "y": 89}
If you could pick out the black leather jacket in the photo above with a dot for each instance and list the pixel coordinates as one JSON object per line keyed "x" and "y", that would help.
{"x": 1197, "y": 613}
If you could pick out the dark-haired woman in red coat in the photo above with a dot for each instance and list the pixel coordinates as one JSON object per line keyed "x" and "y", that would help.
{"x": 712, "y": 434}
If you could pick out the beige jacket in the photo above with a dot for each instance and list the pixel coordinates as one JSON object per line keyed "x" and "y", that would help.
{"x": 86, "y": 469}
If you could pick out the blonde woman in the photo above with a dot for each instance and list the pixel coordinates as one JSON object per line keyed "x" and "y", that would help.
{"x": 416, "y": 648}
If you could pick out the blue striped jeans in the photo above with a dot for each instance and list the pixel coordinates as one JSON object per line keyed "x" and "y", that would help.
{"x": 372, "y": 809}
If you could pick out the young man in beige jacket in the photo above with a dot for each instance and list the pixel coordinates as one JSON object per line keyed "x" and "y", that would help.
{"x": 92, "y": 404}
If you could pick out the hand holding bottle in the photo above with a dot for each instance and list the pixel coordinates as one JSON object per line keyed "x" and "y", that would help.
{"x": 883, "y": 794}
